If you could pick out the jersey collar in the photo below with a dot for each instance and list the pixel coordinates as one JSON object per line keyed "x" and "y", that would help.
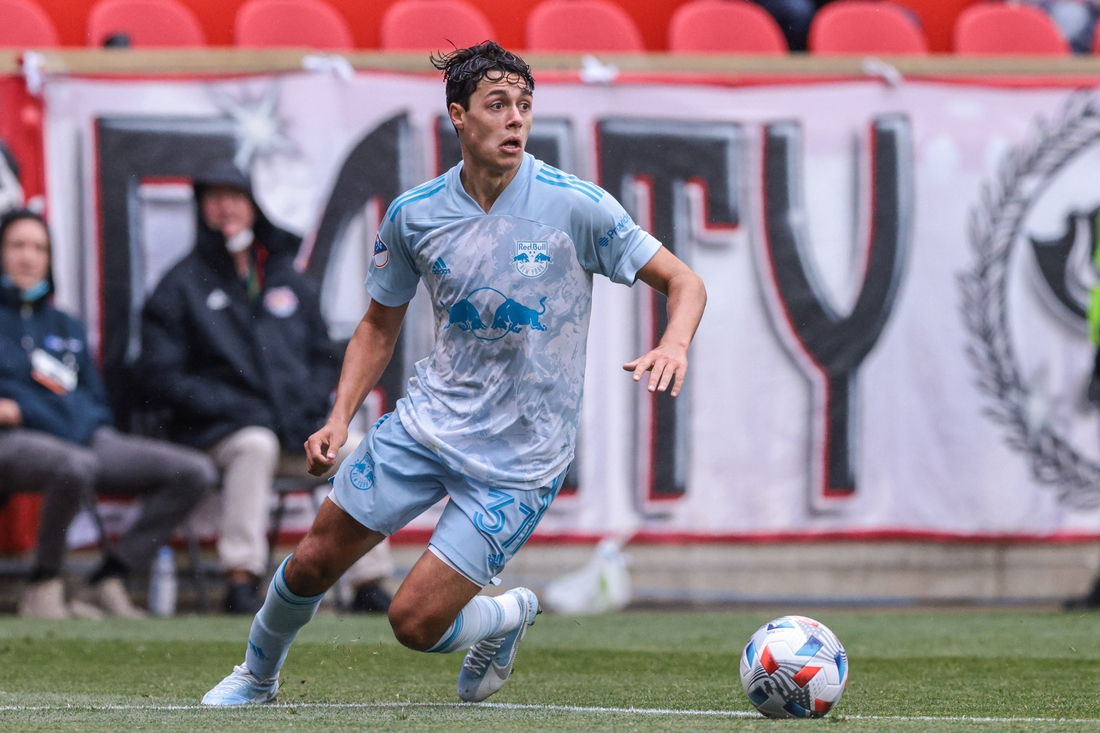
{"x": 507, "y": 197}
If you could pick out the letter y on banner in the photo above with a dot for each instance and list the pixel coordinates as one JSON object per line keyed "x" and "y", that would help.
{"x": 830, "y": 348}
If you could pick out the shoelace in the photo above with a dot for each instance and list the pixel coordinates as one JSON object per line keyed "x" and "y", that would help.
{"x": 235, "y": 683}
{"x": 481, "y": 653}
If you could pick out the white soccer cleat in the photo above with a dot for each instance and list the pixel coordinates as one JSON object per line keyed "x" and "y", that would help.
{"x": 489, "y": 662}
{"x": 242, "y": 688}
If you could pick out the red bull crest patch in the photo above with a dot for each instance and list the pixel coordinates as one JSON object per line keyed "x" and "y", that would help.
{"x": 532, "y": 258}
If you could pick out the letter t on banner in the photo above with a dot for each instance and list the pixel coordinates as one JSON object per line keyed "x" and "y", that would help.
{"x": 668, "y": 156}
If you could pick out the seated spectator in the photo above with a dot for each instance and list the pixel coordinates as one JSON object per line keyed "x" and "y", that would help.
{"x": 57, "y": 437}
{"x": 1075, "y": 18}
{"x": 234, "y": 344}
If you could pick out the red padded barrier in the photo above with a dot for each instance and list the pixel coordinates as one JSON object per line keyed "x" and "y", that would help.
{"x": 19, "y": 523}
{"x": 508, "y": 17}
{"x": 937, "y": 20}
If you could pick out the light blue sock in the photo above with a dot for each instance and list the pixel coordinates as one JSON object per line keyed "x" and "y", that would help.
{"x": 481, "y": 618}
{"x": 273, "y": 630}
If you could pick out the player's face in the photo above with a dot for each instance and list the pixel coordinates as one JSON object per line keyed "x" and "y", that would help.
{"x": 26, "y": 253}
{"x": 493, "y": 131}
{"x": 227, "y": 210}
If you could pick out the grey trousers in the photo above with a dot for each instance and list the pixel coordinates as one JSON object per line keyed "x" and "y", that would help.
{"x": 170, "y": 479}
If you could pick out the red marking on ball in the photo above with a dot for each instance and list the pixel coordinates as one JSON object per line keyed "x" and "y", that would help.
{"x": 767, "y": 661}
{"x": 805, "y": 675}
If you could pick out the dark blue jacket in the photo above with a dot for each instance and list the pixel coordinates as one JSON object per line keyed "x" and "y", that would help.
{"x": 221, "y": 362}
{"x": 24, "y": 327}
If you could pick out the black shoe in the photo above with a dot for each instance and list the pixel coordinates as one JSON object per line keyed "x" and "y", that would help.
{"x": 1090, "y": 602}
{"x": 242, "y": 598}
{"x": 1075, "y": 604}
{"x": 1083, "y": 603}
{"x": 371, "y": 598}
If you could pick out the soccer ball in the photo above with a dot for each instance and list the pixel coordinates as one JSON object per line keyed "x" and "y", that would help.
{"x": 794, "y": 667}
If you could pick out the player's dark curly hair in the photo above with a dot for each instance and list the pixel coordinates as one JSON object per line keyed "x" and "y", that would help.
{"x": 464, "y": 68}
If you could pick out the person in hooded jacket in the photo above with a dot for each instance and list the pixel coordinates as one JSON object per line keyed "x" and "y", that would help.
{"x": 56, "y": 438}
{"x": 234, "y": 344}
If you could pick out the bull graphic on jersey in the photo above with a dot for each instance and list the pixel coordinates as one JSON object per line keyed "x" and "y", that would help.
{"x": 512, "y": 316}
{"x": 464, "y": 314}
{"x": 508, "y": 315}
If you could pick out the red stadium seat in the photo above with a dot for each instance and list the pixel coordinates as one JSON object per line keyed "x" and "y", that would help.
{"x": 147, "y": 23}
{"x": 865, "y": 27}
{"x": 431, "y": 25}
{"x": 579, "y": 26}
{"x": 724, "y": 26}
{"x": 305, "y": 23}
{"x": 996, "y": 28}
{"x": 25, "y": 25}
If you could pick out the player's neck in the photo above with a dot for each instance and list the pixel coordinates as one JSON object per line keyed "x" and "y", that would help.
{"x": 485, "y": 185}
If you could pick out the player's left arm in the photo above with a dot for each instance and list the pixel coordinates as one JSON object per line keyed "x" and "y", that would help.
{"x": 687, "y": 297}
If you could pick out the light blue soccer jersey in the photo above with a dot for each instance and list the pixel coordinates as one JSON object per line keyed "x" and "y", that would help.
{"x": 499, "y": 398}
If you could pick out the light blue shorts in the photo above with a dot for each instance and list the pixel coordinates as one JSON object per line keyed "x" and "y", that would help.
{"x": 391, "y": 479}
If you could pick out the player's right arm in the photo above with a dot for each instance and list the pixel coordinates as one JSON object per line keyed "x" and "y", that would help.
{"x": 392, "y": 279}
{"x": 369, "y": 351}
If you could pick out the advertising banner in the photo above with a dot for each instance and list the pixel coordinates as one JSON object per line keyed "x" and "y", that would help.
{"x": 896, "y": 340}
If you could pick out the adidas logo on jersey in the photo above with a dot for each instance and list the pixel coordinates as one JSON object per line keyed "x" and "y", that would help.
{"x": 440, "y": 268}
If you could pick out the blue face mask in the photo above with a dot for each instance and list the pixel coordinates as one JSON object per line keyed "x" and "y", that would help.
{"x": 31, "y": 294}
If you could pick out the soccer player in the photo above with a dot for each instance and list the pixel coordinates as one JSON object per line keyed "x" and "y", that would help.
{"x": 506, "y": 246}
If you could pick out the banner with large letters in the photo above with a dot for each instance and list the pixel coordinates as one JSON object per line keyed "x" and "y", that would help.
{"x": 895, "y": 343}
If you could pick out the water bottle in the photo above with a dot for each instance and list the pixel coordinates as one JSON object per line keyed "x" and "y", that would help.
{"x": 162, "y": 583}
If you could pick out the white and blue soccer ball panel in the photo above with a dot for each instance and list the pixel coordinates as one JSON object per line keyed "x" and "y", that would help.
{"x": 794, "y": 667}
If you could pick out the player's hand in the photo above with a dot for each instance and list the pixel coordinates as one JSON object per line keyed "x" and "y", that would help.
{"x": 322, "y": 447}
{"x": 10, "y": 414}
{"x": 667, "y": 366}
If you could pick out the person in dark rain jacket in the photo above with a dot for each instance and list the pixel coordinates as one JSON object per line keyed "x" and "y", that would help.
{"x": 234, "y": 344}
{"x": 56, "y": 437}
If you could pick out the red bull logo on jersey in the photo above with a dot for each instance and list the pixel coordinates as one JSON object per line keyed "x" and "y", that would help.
{"x": 532, "y": 258}
{"x": 489, "y": 315}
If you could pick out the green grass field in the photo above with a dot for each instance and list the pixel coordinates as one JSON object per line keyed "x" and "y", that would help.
{"x": 911, "y": 670}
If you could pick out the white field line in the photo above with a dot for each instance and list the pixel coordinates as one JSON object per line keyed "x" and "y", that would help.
{"x": 544, "y": 708}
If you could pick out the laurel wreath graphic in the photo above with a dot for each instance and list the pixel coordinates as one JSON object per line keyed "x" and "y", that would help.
{"x": 995, "y": 223}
